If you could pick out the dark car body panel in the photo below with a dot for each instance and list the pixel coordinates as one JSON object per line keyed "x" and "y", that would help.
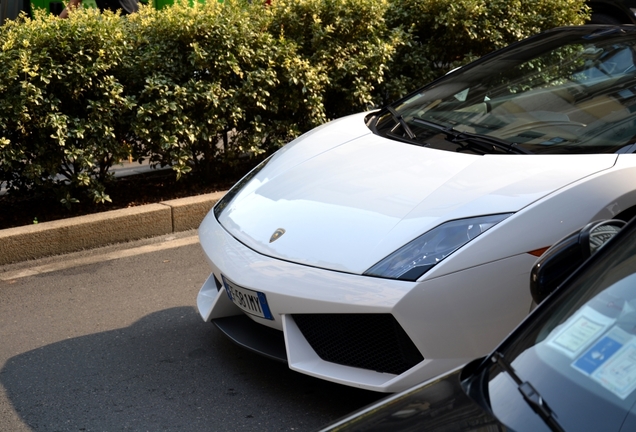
{"x": 618, "y": 10}
{"x": 438, "y": 405}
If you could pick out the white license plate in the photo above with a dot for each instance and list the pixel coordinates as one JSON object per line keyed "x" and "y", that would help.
{"x": 252, "y": 302}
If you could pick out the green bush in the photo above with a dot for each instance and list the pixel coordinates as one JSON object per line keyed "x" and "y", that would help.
{"x": 347, "y": 41}
{"x": 440, "y": 35}
{"x": 213, "y": 85}
{"x": 63, "y": 112}
{"x": 201, "y": 86}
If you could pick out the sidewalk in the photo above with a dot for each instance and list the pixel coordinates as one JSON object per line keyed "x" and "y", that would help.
{"x": 100, "y": 229}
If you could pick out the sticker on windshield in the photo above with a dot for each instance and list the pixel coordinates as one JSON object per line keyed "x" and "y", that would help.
{"x": 597, "y": 355}
{"x": 580, "y": 331}
{"x": 618, "y": 373}
{"x": 611, "y": 362}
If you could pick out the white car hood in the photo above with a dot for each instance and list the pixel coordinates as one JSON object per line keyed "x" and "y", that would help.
{"x": 347, "y": 198}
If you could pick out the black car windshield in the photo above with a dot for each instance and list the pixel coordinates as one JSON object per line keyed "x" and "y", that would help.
{"x": 565, "y": 92}
{"x": 578, "y": 351}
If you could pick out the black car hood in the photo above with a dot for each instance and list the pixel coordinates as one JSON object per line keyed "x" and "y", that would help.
{"x": 438, "y": 405}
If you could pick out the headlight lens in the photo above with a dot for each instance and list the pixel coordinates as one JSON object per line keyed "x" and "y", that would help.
{"x": 417, "y": 257}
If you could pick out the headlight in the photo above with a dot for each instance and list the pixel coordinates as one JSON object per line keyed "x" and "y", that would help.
{"x": 238, "y": 186}
{"x": 417, "y": 257}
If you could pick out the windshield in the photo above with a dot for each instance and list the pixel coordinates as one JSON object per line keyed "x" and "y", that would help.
{"x": 578, "y": 352}
{"x": 569, "y": 92}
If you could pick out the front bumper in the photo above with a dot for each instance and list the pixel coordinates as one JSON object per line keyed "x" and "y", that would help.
{"x": 435, "y": 324}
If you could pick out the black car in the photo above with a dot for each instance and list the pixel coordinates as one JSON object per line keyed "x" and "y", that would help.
{"x": 613, "y": 11}
{"x": 570, "y": 365}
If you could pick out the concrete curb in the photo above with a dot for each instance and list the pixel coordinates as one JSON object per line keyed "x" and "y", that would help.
{"x": 100, "y": 229}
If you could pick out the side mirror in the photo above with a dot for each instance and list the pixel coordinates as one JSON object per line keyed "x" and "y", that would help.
{"x": 560, "y": 261}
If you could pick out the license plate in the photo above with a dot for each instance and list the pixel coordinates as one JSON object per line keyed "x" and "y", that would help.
{"x": 252, "y": 302}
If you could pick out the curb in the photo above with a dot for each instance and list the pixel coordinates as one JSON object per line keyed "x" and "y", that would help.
{"x": 101, "y": 229}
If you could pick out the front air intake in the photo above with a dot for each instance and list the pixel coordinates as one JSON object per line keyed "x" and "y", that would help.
{"x": 368, "y": 341}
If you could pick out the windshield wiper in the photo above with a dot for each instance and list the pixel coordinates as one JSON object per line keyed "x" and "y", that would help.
{"x": 399, "y": 119}
{"x": 484, "y": 141}
{"x": 530, "y": 394}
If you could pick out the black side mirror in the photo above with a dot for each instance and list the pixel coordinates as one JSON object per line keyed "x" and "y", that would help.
{"x": 560, "y": 261}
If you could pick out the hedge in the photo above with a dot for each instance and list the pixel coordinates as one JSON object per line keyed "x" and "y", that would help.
{"x": 63, "y": 113}
{"x": 199, "y": 87}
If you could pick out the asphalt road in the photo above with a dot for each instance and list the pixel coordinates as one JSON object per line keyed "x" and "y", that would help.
{"x": 110, "y": 340}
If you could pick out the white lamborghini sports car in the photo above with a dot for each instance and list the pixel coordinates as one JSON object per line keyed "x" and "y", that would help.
{"x": 387, "y": 247}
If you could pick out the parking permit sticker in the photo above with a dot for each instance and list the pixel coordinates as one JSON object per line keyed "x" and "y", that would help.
{"x": 580, "y": 331}
{"x": 618, "y": 374}
{"x": 611, "y": 362}
{"x": 597, "y": 355}
{"x": 578, "y": 334}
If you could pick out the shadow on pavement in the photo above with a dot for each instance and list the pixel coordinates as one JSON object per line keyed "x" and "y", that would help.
{"x": 167, "y": 371}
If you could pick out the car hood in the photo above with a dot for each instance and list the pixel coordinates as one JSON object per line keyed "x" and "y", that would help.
{"x": 346, "y": 198}
{"x": 440, "y": 404}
